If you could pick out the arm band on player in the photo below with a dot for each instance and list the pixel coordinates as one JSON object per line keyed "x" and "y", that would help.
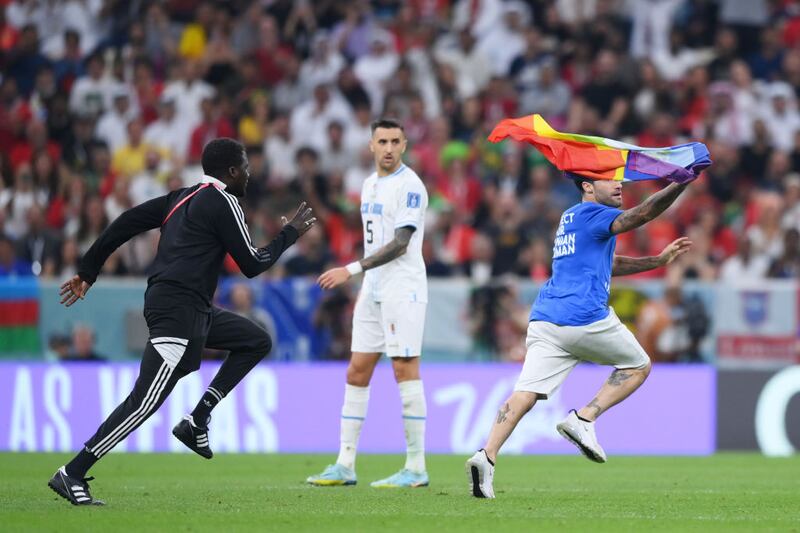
{"x": 354, "y": 268}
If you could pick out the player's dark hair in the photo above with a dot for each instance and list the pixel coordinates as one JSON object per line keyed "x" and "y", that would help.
{"x": 387, "y": 123}
{"x": 221, "y": 154}
{"x": 578, "y": 180}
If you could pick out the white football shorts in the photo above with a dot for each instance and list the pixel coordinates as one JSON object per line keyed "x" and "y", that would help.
{"x": 553, "y": 351}
{"x": 393, "y": 328}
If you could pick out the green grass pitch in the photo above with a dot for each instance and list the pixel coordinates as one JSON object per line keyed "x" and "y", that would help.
{"x": 728, "y": 492}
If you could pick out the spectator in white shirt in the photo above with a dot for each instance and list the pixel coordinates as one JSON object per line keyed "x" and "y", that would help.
{"x": 77, "y": 15}
{"x": 652, "y": 25}
{"x": 676, "y": 60}
{"x": 478, "y": 16}
{"x": 188, "y": 92}
{"x": 324, "y": 64}
{"x": 149, "y": 183}
{"x": 309, "y": 121}
{"x": 746, "y": 265}
{"x": 355, "y": 175}
{"x": 169, "y": 131}
{"x": 791, "y": 195}
{"x": 113, "y": 124}
{"x": 471, "y": 65}
{"x": 279, "y": 150}
{"x": 91, "y": 94}
{"x": 15, "y": 201}
{"x": 336, "y": 156}
{"x": 290, "y": 92}
{"x": 730, "y": 125}
{"x": 506, "y": 40}
{"x": 550, "y": 96}
{"x": 358, "y": 134}
{"x": 766, "y": 235}
{"x": 780, "y": 115}
{"x": 375, "y": 69}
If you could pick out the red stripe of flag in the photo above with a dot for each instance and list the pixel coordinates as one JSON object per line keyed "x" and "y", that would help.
{"x": 19, "y": 313}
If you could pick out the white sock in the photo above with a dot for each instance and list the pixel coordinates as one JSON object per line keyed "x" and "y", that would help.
{"x": 354, "y": 411}
{"x": 415, "y": 411}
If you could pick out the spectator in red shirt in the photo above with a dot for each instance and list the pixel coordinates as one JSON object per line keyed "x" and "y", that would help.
{"x": 213, "y": 125}
{"x": 35, "y": 140}
{"x": 9, "y": 36}
{"x": 659, "y": 132}
{"x": 271, "y": 55}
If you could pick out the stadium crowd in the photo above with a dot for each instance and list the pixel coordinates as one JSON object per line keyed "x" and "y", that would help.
{"x": 107, "y": 103}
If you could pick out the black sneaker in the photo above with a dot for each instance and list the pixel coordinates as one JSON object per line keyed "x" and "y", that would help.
{"x": 194, "y": 437}
{"x": 75, "y": 490}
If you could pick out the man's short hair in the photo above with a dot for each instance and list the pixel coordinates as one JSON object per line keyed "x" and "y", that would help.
{"x": 388, "y": 123}
{"x": 578, "y": 180}
{"x": 221, "y": 154}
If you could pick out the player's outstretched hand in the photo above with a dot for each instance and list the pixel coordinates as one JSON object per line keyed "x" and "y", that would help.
{"x": 333, "y": 278}
{"x": 72, "y": 290}
{"x": 675, "y": 249}
{"x": 302, "y": 221}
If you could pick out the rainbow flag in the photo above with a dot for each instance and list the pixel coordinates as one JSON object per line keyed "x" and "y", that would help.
{"x": 601, "y": 158}
{"x": 19, "y": 315}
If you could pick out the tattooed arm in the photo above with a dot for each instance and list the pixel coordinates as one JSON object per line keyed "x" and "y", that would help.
{"x": 392, "y": 250}
{"x": 623, "y": 266}
{"x": 646, "y": 211}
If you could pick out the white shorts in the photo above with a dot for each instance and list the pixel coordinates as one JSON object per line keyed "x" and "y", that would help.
{"x": 553, "y": 351}
{"x": 393, "y": 328}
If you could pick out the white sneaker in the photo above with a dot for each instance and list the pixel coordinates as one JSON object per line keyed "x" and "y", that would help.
{"x": 581, "y": 434}
{"x": 480, "y": 473}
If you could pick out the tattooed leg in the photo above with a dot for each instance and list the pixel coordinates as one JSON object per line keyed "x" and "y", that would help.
{"x": 596, "y": 406}
{"x": 508, "y": 416}
{"x": 617, "y": 377}
{"x": 621, "y": 384}
{"x": 502, "y": 414}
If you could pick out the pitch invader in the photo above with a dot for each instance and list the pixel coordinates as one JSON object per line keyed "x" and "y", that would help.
{"x": 389, "y": 315}
{"x": 571, "y": 320}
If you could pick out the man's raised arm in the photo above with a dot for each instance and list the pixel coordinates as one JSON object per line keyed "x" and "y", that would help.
{"x": 646, "y": 211}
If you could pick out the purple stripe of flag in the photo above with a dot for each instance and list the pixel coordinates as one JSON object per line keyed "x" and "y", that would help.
{"x": 650, "y": 168}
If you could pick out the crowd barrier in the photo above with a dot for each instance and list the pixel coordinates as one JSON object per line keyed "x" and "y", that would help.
{"x": 745, "y": 323}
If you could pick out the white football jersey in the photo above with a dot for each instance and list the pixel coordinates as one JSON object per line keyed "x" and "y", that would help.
{"x": 388, "y": 203}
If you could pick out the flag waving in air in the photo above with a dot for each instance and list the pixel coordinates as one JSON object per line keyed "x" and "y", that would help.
{"x": 601, "y": 158}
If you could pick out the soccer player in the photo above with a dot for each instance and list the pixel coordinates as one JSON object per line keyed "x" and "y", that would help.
{"x": 199, "y": 225}
{"x": 390, "y": 311}
{"x": 571, "y": 320}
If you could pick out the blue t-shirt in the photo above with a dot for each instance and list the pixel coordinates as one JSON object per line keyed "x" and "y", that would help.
{"x": 577, "y": 293}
